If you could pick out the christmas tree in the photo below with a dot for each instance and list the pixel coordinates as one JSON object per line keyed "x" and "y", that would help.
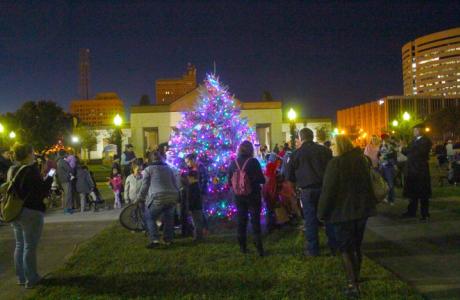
{"x": 213, "y": 131}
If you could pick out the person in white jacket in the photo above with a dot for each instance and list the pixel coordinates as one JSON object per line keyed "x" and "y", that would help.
{"x": 133, "y": 183}
{"x": 450, "y": 150}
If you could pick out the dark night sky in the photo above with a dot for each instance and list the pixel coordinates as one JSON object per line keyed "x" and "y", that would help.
{"x": 320, "y": 56}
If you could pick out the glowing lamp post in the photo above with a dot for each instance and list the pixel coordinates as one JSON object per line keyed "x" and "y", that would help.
{"x": 75, "y": 141}
{"x": 292, "y": 115}
{"x": 118, "y": 121}
{"x": 406, "y": 116}
{"x": 12, "y": 135}
{"x": 2, "y": 130}
{"x": 395, "y": 123}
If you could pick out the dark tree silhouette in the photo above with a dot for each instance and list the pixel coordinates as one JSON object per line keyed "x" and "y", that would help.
{"x": 42, "y": 123}
{"x": 267, "y": 96}
{"x": 145, "y": 100}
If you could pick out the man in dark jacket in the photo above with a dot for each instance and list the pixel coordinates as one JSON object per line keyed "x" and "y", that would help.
{"x": 127, "y": 158}
{"x": 63, "y": 173}
{"x": 307, "y": 168}
{"x": 5, "y": 164}
{"x": 418, "y": 181}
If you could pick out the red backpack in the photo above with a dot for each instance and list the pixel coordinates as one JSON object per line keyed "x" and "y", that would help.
{"x": 240, "y": 180}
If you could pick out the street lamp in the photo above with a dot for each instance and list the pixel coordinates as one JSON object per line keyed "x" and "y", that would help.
{"x": 395, "y": 123}
{"x": 427, "y": 129}
{"x": 12, "y": 135}
{"x": 406, "y": 116}
{"x": 118, "y": 121}
{"x": 292, "y": 115}
{"x": 75, "y": 141}
{"x": 2, "y": 130}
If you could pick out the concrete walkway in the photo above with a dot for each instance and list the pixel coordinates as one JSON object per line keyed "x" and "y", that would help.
{"x": 427, "y": 255}
{"x": 61, "y": 235}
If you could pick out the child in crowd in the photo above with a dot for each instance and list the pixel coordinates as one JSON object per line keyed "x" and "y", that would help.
{"x": 116, "y": 183}
{"x": 133, "y": 182}
{"x": 191, "y": 180}
{"x": 270, "y": 190}
{"x": 288, "y": 199}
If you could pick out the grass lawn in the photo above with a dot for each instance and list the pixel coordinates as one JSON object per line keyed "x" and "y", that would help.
{"x": 101, "y": 172}
{"x": 116, "y": 265}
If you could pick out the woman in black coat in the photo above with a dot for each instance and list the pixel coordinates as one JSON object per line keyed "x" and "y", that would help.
{"x": 250, "y": 204}
{"x": 347, "y": 201}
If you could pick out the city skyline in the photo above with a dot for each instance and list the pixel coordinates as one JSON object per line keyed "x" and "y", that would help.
{"x": 317, "y": 57}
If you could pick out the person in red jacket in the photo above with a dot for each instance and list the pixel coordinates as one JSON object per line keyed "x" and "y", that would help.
{"x": 270, "y": 189}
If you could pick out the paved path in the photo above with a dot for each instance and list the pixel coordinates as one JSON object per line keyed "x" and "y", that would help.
{"x": 61, "y": 234}
{"x": 427, "y": 255}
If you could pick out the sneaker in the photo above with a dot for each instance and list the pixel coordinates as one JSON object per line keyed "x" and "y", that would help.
{"x": 352, "y": 292}
{"x": 29, "y": 285}
{"x": 152, "y": 245}
{"x": 167, "y": 243}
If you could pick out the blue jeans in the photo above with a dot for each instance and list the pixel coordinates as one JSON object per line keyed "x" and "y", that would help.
{"x": 152, "y": 213}
{"x": 388, "y": 173}
{"x": 310, "y": 198}
{"x": 27, "y": 228}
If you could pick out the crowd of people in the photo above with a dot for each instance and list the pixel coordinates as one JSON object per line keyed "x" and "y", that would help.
{"x": 406, "y": 166}
{"x": 328, "y": 186}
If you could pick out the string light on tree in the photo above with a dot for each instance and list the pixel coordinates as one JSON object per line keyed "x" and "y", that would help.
{"x": 213, "y": 132}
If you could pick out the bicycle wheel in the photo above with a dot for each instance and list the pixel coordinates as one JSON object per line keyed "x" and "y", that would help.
{"x": 132, "y": 218}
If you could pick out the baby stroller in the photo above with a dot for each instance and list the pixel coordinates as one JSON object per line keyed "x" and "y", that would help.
{"x": 95, "y": 199}
{"x": 55, "y": 194}
{"x": 454, "y": 173}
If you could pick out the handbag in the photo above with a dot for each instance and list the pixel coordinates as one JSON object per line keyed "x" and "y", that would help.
{"x": 379, "y": 185}
{"x": 11, "y": 203}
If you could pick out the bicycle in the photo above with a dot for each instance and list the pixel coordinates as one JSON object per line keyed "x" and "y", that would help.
{"x": 132, "y": 218}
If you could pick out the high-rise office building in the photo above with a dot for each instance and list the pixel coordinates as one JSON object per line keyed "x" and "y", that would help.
{"x": 99, "y": 111}
{"x": 431, "y": 64}
{"x": 374, "y": 117}
{"x": 169, "y": 90}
